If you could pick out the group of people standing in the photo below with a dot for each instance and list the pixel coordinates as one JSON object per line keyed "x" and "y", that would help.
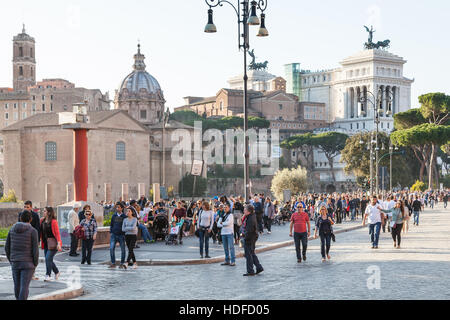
{"x": 22, "y": 246}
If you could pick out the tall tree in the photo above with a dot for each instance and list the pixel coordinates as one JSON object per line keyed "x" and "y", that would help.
{"x": 424, "y": 134}
{"x": 331, "y": 144}
{"x": 435, "y": 108}
{"x": 303, "y": 146}
{"x": 406, "y": 120}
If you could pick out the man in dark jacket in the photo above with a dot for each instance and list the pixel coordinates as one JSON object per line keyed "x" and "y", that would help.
{"x": 117, "y": 235}
{"x": 23, "y": 254}
{"x": 250, "y": 237}
{"x": 35, "y": 222}
{"x": 258, "y": 208}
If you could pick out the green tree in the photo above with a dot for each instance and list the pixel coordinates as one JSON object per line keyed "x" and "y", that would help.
{"x": 303, "y": 146}
{"x": 435, "y": 107}
{"x": 406, "y": 120}
{"x": 331, "y": 144}
{"x": 424, "y": 134}
{"x": 356, "y": 157}
{"x": 289, "y": 179}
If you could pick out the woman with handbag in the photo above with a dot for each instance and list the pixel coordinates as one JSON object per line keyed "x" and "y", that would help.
{"x": 396, "y": 224}
{"x": 325, "y": 230}
{"x": 50, "y": 242}
{"x": 90, "y": 234}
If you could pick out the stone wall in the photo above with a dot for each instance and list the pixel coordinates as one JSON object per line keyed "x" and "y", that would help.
{"x": 8, "y": 217}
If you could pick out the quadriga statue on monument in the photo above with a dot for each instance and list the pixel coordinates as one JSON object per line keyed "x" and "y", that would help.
{"x": 371, "y": 45}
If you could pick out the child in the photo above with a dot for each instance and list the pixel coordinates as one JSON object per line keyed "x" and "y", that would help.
{"x": 174, "y": 230}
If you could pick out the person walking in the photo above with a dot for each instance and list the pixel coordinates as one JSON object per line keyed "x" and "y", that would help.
{"x": 445, "y": 199}
{"x": 417, "y": 207}
{"x": 90, "y": 234}
{"x": 353, "y": 203}
{"x": 73, "y": 221}
{"x": 375, "y": 217}
{"x": 227, "y": 224}
{"x": 35, "y": 221}
{"x": 407, "y": 214}
{"x": 205, "y": 225}
{"x": 269, "y": 214}
{"x": 258, "y": 208}
{"x": 302, "y": 230}
{"x": 117, "y": 236}
{"x": 397, "y": 217}
{"x": 249, "y": 231}
{"x": 130, "y": 227}
{"x": 50, "y": 241}
{"x": 324, "y": 229}
{"x": 22, "y": 252}
{"x": 238, "y": 214}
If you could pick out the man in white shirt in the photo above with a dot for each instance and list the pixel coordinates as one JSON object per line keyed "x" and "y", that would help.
{"x": 73, "y": 221}
{"x": 388, "y": 205}
{"x": 375, "y": 218}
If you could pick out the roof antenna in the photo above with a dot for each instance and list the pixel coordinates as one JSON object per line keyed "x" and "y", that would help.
{"x": 23, "y": 27}
{"x": 139, "y": 46}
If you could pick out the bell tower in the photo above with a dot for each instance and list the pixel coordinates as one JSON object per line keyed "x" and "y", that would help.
{"x": 24, "y": 62}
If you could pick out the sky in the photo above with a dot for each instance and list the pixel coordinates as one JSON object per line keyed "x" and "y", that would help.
{"x": 92, "y": 42}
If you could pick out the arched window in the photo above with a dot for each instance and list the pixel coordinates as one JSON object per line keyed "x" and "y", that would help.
{"x": 50, "y": 151}
{"x": 120, "y": 150}
{"x": 20, "y": 71}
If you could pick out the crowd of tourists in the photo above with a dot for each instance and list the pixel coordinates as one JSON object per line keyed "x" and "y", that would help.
{"x": 228, "y": 221}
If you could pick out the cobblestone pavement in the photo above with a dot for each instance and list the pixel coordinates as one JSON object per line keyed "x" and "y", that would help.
{"x": 417, "y": 271}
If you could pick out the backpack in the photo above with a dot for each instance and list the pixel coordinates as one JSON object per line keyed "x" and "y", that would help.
{"x": 79, "y": 232}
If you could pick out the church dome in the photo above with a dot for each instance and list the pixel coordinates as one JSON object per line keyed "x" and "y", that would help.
{"x": 138, "y": 80}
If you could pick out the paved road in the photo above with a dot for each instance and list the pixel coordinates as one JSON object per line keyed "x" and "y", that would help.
{"x": 417, "y": 271}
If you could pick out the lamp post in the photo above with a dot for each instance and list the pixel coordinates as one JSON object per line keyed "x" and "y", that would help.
{"x": 370, "y": 148}
{"x": 377, "y": 104}
{"x": 249, "y": 17}
{"x": 391, "y": 152}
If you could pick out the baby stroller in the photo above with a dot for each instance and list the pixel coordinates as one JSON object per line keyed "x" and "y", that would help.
{"x": 285, "y": 214}
{"x": 174, "y": 235}
{"x": 278, "y": 219}
{"x": 160, "y": 226}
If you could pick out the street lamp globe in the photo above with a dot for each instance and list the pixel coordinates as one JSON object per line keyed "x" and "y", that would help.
{"x": 210, "y": 26}
{"x": 262, "y": 29}
{"x": 253, "y": 20}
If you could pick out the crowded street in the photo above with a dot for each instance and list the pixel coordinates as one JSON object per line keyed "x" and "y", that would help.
{"x": 420, "y": 263}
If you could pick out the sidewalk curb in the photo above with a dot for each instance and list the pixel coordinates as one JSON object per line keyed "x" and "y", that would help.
{"x": 218, "y": 259}
{"x": 63, "y": 294}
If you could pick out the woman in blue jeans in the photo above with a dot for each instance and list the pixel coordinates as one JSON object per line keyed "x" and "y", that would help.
{"x": 324, "y": 228}
{"x": 50, "y": 241}
{"x": 227, "y": 224}
{"x": 205, "y": 224}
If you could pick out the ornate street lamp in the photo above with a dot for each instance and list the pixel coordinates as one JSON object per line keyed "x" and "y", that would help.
{"x": 249, "y": 17}
{"x": 377, "y": 104}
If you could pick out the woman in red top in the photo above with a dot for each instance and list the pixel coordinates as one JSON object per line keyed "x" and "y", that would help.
{"x": 50, "y": 241}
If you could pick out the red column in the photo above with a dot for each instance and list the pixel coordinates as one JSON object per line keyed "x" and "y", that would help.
{"x": 80, "y": 164}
